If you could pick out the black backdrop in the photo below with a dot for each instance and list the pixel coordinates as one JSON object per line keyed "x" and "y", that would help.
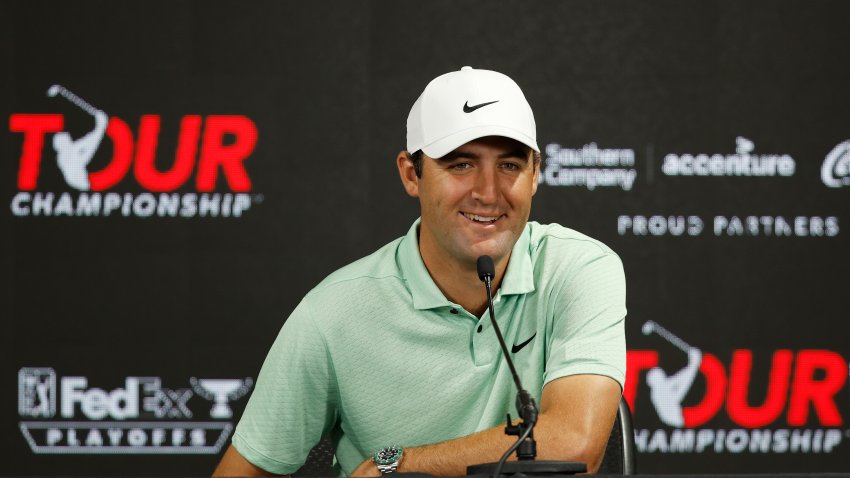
{"x": 731, "y": 117}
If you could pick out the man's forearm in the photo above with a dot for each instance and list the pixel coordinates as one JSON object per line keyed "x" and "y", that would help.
{"x": 450, "y": 458}
{"x": 576, "y": 416}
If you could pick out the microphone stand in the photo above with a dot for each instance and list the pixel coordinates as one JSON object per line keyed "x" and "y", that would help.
{"x": 525, "y": 446}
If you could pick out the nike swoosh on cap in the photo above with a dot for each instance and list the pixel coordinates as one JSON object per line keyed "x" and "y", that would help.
{"x": 517, "y": 347}
{"x": 470, "y": 109}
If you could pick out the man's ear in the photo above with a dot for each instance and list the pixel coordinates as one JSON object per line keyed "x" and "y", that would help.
{"x": 408, "y": 174}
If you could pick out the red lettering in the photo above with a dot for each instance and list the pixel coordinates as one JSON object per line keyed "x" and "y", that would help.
{"x": 637, "y": 361}
{"x": 737, "y": 406}
{"x": 34, "y": 127}
{"x": 187, "y": 147}
{"x": 806, "y": 389}
{"x": 215, "y": 153}
{"x": 122, "y": 156}
{"x": 715, "y": 384}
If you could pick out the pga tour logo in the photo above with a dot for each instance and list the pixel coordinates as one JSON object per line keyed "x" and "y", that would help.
{"x": 67, "y": 415}
{"x": 214, "y": 148}
{"x": 798, "y": 412}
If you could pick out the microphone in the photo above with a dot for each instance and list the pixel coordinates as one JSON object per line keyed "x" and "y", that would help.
{"x": 525, "y": 404}
{"x": 486, "y": 269}
{"x": 526, "y": 408}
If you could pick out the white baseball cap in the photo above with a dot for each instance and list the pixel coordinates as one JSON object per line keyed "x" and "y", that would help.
{"x": 464, "y": 105}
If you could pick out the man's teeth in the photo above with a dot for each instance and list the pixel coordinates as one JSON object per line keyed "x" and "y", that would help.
{"x": 476, "y": 217}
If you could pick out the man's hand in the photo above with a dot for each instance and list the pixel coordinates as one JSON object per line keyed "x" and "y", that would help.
{"x": 367, "y": 468}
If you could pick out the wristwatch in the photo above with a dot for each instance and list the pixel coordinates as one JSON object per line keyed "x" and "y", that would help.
{"x": 388, "y": 458}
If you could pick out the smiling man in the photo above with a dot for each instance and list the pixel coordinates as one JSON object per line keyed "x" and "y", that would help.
{"x": 393, "y": 357}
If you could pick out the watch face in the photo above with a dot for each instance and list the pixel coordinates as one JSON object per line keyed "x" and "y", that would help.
{"x": 388, "y": 455}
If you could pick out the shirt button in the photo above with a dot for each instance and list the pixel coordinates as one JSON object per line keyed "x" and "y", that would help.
{"x": 453, "y": 311}
{"x": 479, "y": 328}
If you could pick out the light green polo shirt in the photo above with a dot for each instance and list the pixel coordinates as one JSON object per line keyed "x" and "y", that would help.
{"x": 376, "y": 355}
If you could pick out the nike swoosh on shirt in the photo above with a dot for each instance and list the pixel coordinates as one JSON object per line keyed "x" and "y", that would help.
{"x": 470, "y": 109}
{"x": 517, "y": 347}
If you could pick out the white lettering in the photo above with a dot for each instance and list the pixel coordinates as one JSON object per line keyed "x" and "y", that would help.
{"x": 18, "y": 207}
{"x": 137, "y": 437}
{"x": 835, "y": 170}
{"x": 241, "y": 204}
{"x": 742, "y": 163}
{"x": 144, "y": 205}
{"x": 111, "y": 202}
{"x": 209, "y": 205}
{"x": 88, "y": 205}
{"x": 53, "y": 436}
{"x": 94, "y": 438}
{"x": 64, "y": 206}
{"x": 72, "y": 388}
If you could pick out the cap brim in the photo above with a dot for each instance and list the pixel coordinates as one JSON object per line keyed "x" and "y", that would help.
{"x": 446, "y": 145}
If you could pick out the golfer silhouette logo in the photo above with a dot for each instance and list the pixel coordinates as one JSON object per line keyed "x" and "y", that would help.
{"x": 668, "y": 391}
{"x": 72, "y": 155}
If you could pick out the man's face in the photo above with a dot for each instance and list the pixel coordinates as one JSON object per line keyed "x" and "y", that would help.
{"x": 475, "y": 200}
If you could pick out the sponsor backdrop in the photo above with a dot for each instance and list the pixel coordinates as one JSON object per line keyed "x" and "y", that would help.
{"x": 176, "y": 175}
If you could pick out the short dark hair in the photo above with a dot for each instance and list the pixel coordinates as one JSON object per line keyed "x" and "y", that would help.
{"x": 416, "y": 158}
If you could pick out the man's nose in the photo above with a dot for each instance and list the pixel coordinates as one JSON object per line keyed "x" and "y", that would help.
{"x": 485, "y": 189}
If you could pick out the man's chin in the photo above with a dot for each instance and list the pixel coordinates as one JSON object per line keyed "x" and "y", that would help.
{"x": 497, "y": 250}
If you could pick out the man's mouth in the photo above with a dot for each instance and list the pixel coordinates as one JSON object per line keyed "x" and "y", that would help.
{"x": 480, "y": 219}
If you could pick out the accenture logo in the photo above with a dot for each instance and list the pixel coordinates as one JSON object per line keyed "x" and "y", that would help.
{"x": 741, "y": 163}
{"x": 209, "y": 147}
{"x": 65, "y": 415}
{"x": 799, "y": 410}
{"x": 835, "y": 171}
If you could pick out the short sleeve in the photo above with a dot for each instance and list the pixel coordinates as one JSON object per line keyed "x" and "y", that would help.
{"x": 588, "y": 335}
{"x": 295, "y": 400}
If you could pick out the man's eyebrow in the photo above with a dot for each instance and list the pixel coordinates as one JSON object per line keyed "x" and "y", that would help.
{"x": 457, "y": 155}
{"x": 518, "y": 153}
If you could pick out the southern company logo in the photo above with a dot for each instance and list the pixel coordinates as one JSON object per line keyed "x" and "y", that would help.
{"x": 206, "y": 145}
{"x": 799, "y": 383}
{"x": 589, "y": 167}
{"x": 141, "y": 417}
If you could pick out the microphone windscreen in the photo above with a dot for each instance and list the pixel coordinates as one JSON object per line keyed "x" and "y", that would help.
{"x": 486, "y": 267}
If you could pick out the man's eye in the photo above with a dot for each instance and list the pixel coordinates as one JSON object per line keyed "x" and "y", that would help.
{"x": 461, "y": 166}
{"x": 510, "y": 166}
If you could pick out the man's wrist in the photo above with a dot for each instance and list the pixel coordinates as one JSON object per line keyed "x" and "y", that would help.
{"x": 388, "y": 459}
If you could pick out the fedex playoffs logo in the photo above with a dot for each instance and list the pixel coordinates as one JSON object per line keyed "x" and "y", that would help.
{"x": 70, "y": 415}
{"x": 209, "y": 150}
{"x": 801, "y": 399}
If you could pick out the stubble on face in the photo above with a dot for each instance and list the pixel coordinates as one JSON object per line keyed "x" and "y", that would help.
{"x": 476, "y": 200}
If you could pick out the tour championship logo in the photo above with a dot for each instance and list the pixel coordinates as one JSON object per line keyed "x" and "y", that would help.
{"x": 835, "y": 171}
{"x": 67, "y": 415}
{"x": 796, "y": 412}
{"x": 210, "y": 150}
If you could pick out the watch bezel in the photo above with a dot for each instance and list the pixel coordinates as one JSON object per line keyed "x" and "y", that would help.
{"x": 388, "y": 461}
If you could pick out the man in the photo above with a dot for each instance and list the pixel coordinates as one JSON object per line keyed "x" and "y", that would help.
{"x": 396, "y": 348}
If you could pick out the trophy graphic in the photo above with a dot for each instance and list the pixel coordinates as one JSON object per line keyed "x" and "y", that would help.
{"x": 220, "y": 392}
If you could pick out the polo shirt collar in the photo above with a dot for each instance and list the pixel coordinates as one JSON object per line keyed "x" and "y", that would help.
{"x": 519, "y": 278}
